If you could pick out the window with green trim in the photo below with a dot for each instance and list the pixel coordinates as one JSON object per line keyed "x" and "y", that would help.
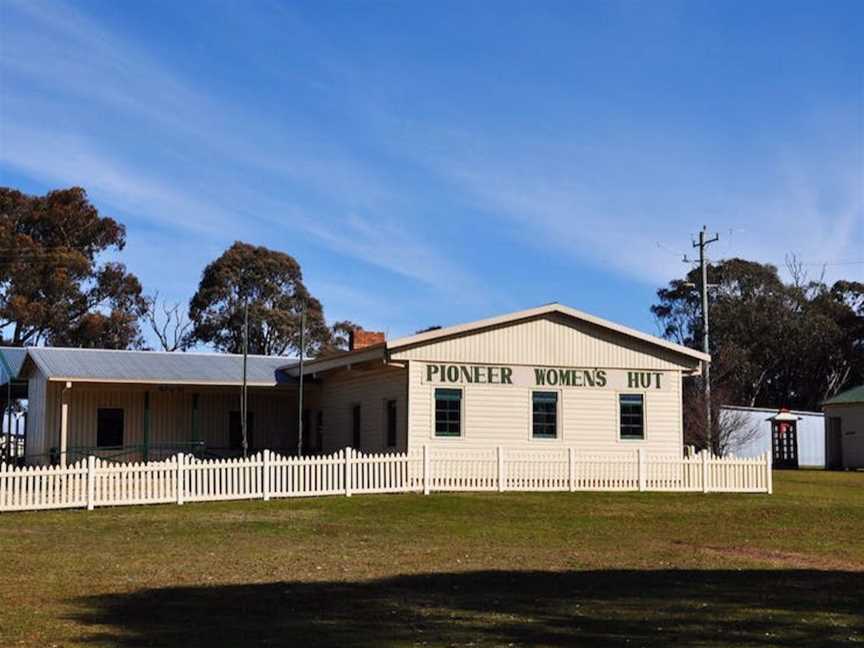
{"x": 544, "y": 415}
{"x": 448, "y": 412}
{"x": 632, "y": 416}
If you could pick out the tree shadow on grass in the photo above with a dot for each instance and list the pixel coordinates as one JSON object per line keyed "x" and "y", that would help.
{"x": 492, "y": 608}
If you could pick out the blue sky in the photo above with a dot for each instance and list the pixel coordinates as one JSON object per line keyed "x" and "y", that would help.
{"x": 431, "y": 163}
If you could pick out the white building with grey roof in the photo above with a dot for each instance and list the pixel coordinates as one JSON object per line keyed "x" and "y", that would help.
{"x": 547, "y": 377}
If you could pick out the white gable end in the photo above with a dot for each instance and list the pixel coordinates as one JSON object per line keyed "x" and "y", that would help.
{"x": 552, "y": 340}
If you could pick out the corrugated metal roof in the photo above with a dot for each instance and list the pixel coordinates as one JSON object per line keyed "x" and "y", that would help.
{"x": 11, "y": 362}
{"x": 854, "y": 395}
{"x": 156, "y": 366}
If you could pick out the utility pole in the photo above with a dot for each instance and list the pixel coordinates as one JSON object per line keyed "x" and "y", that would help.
{"x": 243, "y": 394}
{"x": 702, "y": 243}
{"x": 7, "y": 412}
{"x": 8, "y": 450}
{"x": 300, "y": 391}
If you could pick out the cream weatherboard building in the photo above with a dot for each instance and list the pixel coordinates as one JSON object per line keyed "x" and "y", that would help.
{"x": 547, "y": 377}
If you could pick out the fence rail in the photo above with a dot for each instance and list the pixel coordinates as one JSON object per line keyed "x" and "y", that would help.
{"x": 96, "y": 482}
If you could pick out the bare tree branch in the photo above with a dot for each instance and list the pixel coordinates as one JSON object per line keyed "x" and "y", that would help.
{"x": 169, "y": 323}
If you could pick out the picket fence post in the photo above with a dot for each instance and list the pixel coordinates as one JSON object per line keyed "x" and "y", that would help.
{"x": 704, "y": 471}
{"x": 640, "y": 460}
{"x": 179, "y": 478}
{"x": 91, "y": 482}
{"x": 571, "y": 468}
{"x": 500, "y": 469}
{"x": 768, "y": 468}
{"x": 348, "y": 471}
{"x": 265, "y": 475}
{"x": 427, "y": 464}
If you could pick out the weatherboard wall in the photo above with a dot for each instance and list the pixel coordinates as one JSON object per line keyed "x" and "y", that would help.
{"x": 588, "y": 418}
{"x": 370, "y": 389}
{"x": 501, "y": 414}
{"x": 274, "y": 412}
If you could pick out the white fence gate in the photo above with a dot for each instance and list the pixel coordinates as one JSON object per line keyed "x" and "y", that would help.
{"x": 96, "y": 482}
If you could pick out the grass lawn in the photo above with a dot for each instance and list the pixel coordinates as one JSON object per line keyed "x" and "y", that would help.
{"x": 585, "y": 569}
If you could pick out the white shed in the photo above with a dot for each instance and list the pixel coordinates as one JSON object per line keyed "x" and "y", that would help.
{"x": 808, "y": 439}
{"x": 845, "y": 416}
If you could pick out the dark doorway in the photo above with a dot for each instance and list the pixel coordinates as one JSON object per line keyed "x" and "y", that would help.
{"x": 391, "y": 423}
{"x": 355, "y": 427}
{"x": 109, "y": 427}
{"x": 784, "y": 443}
{"x": 834, "y": 444}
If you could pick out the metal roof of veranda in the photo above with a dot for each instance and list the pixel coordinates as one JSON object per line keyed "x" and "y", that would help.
{"x": 124, "y": 366}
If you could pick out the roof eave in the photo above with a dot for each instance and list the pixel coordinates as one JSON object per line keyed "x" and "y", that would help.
{"x": 336, "y": 362}
{"x": 164, "y": 381}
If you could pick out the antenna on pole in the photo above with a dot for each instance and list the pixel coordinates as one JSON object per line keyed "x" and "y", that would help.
{"x": 300, "y": 390}
{"x": 243, "y": 401}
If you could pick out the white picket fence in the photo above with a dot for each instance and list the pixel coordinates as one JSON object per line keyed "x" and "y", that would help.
{"x": 96, "y": 482}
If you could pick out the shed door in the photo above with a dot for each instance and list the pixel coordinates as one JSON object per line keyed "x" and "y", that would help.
{"x": 834, "y": 444}
{"x": 784, "y": 442}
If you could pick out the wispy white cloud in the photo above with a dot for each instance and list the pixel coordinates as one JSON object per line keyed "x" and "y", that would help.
{"x": 811, "y": 204}
{"x": 378, "y": 240}
{"x": 231, "y": 159}
{"x": 66, "y": 160}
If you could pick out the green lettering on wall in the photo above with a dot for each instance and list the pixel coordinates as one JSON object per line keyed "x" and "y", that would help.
{"x": 632, "y": 380}
{"x": 564, "y": 377}
{"x": 453, "y": 373}
{"x": 539, "y": 377}
{"x": 467, "y": 376}
{"x": 506, "y": 376}
{"x": 588, "y": 378}
{"x": 658, "y": 379}
{"x": 431, "y": 370}
{"x": 601, "y": 377}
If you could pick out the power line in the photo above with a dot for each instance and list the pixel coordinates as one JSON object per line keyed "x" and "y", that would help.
{"x": 832, "y": 263}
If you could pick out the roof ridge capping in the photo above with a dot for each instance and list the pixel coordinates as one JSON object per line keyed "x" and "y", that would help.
{"x": 178, "y": 353}
{"x": 546, "y": 309}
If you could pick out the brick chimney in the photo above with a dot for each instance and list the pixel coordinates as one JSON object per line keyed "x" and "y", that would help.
{"x": 360, "y": 339}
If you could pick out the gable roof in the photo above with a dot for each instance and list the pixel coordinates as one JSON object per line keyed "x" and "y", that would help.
{"x": 470, "y": 327}
{"x": 429, "y": 337}
{"x": 848, "y": 397}
{"x": 11, "y": 361}
{"x": 103, "y": 365}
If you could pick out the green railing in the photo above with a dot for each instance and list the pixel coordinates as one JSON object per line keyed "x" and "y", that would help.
{"x": 152, "y": 452}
